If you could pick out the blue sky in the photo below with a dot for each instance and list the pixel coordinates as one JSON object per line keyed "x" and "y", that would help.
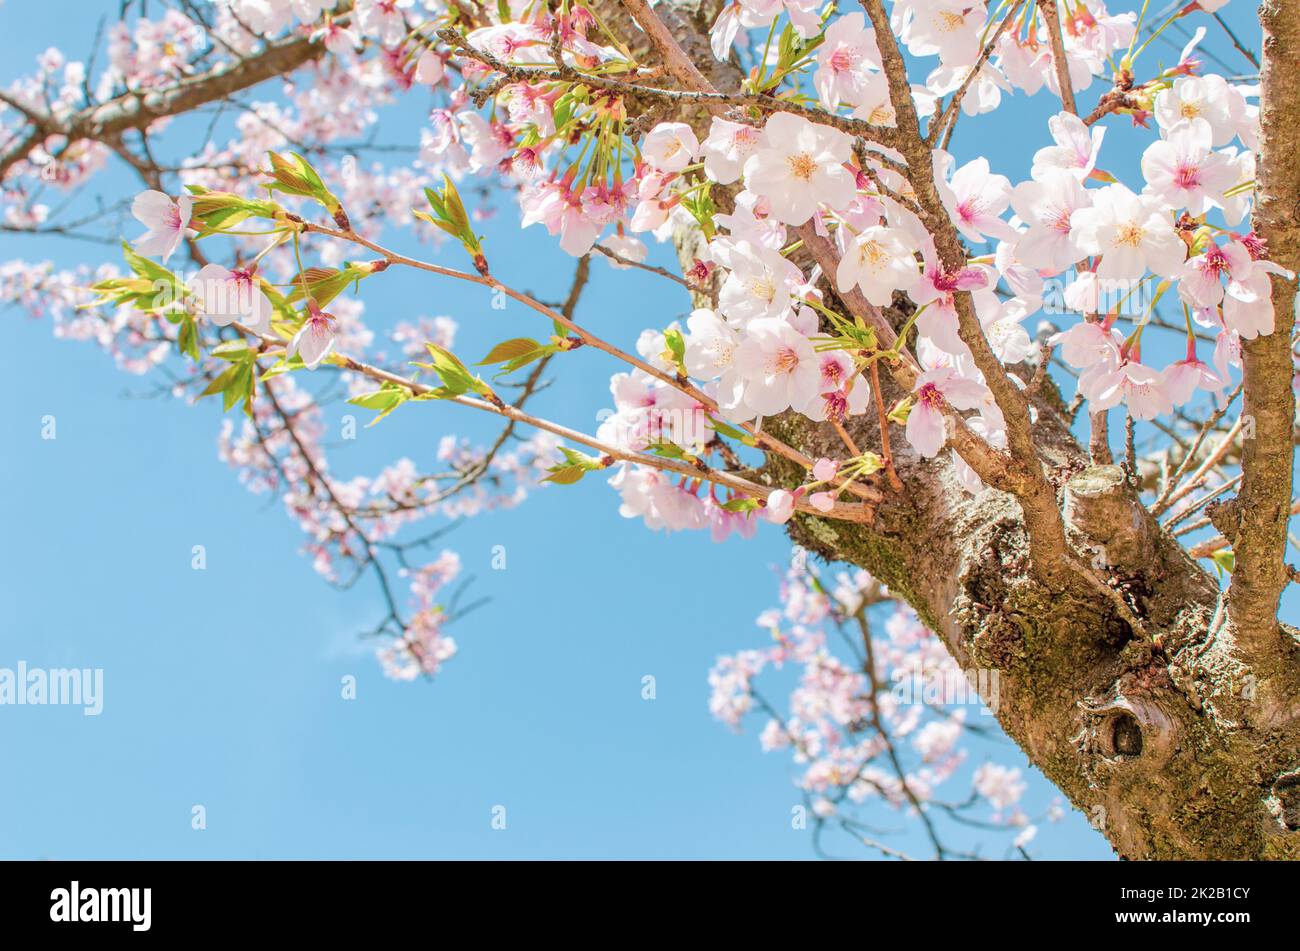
{"x": 222, "y": 687}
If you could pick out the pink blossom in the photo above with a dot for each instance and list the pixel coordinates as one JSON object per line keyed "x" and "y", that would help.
{"x": 228, "y": 295}
{"x": 314, "y": 341}
{"x": 670, "y": 146}
{"x": 925, "y": 423}
{"x": 1076, "y": 149}
{"x": 975, "y": 198}
{"x": 845, "y": 61}
{"x": 1183, "y": 172}
{"x": 165, "y": 219}
{"x": 799, "y": 167}
{"x": 1130, "y": 232}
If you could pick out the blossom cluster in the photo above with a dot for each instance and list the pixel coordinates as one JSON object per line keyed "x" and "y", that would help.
{"x": 757, "y": 183}
{"x": 764, "y": 347}
{"x": 831, "y": 730}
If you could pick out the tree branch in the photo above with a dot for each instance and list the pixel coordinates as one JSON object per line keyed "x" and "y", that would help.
{"x": 138, "y": 109}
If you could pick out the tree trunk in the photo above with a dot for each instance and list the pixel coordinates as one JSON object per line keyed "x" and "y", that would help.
{"x": 1145, "y": 710}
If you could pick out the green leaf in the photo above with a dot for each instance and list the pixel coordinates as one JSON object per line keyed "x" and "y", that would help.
{"x": 741, "y": 505}
{"x": 676, "y": 345}
{"x": 188, "y": 340}
{"x": 575, "y": 466}
{"x": 212, "y": 211}
{"x": 323, "y": 283}
{"x": 295, "y": 176}
{"x": 223, "y": 380}
{"x": 384, "y": 400}
{"x": 236, "y": 351}
{"x": 566, "y": 475}
{"x": 240, "y": 387}
{"x": 449, "y": 215}
{"x": 731, "y": 432}
{"x": 523, "y": 361}
{"x": 670, "y": 450}
{"x": 456, "y": 379}
{"x": 509, "y": 350}
{"x": 870, "y": 463}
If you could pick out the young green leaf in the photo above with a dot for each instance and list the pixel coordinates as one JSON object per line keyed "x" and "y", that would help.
{"x": 509, "y": 350}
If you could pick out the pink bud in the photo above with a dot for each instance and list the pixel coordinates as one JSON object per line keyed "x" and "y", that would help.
{"x": 780, "y": 506}
{"x": 825, "y": 470}
{"x": 822, "y": 501}
{"x": 429, "y": 68}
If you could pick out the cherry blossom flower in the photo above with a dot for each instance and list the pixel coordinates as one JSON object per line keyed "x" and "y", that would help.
{"x": 799, "y": 166}
{"x": 935, "y": 293}
{"x": 626, "y": 247}
{"x": 1024, "y": 61}
{"x": 1088, "y": 343}
{"x": 489, "y": 142}
{"x": 1000, "y": 321}
{"x": 670, "y": 146}
{"x": 1183, "y": 172}
{"x": 727, "y": 147}
{"x": 383, "y": 19}
{"x": 874, "y": 104}
{"x": 778, "y": 367}
{"x": 879, "y": 262}
{"x": 983, "y": 94}
{"x": 561, "y": 211}
{"x": 314, "y": 341}
{"x": 1201, "y": 284}
{"x": 760, "y": 281}
{"x": 1248, "y": 300}
{"x": 780, "y": 507}
{"x": 824, "y": 470}
{"x": 1000, "y": 785}
{"x": 975, "y": 198}
{"x": 429, "y": 68}
{"x": 1208, "y": 98}
{"x": 1076, "y": 148}
{"x": 340, "y": 38}
{"x": 846, "y": 60}
{"x": 1141, "y": 388}
{"x": 1047, "y": 205}
{"x": 744, "y": 224}
{"x": 166, "y": 221}
{"x": 710, "y": 354}
{"x": 650, "y": 411}
{"x": 227, "y": 295}
{"x": 925, "y": 423}
{"x": 950, "y": 28}
{"x": 822, "y": 501}
{"x": 1183, "y": 378}
{"x": 424, "y": 645}
{"x": 841, "y": 391}
{"x": 652, "y": 495}
{"x": 1131, "y": 234}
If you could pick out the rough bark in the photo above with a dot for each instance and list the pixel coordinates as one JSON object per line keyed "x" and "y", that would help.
{"x": 1147, "y": 710}
{"x": 1268, "y": 401}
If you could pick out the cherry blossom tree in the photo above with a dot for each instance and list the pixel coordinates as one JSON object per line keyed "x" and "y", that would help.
{"x": 1031, "y": 438}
